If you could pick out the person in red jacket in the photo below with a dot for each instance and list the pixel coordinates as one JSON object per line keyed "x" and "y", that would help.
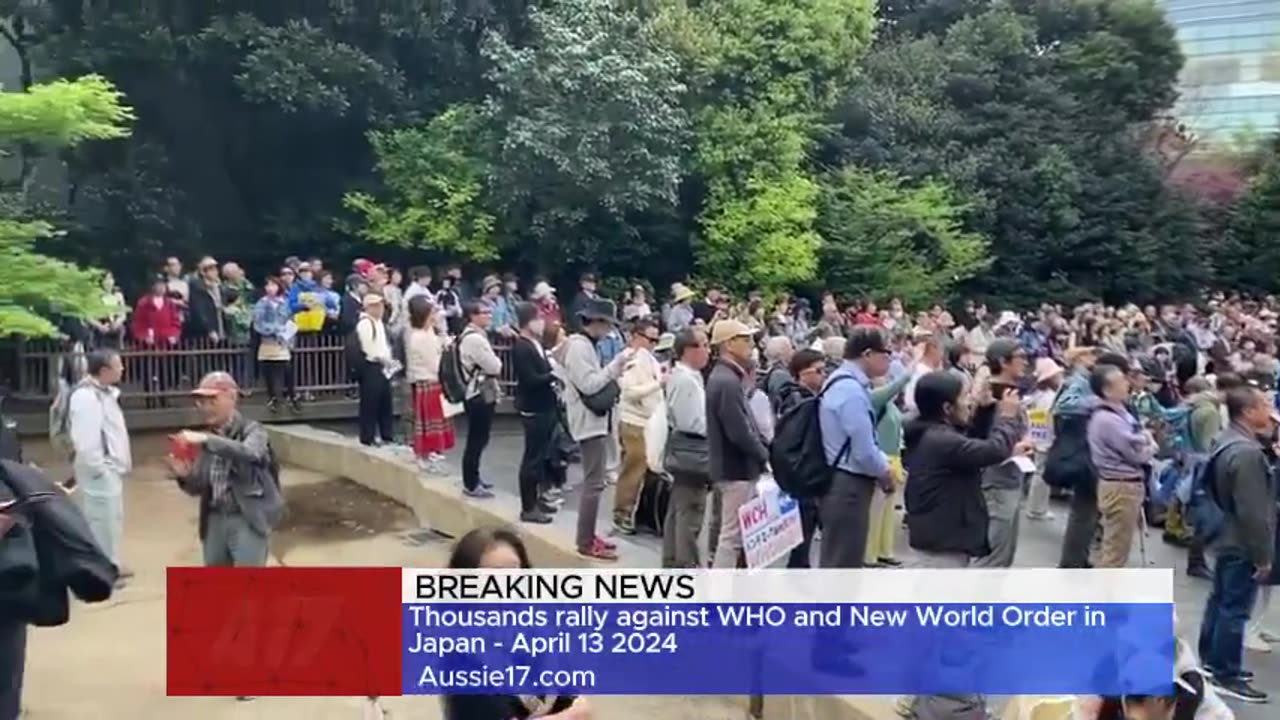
{"x": 157, "y": 320}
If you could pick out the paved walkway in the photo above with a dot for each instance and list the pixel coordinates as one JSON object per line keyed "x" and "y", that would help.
{"x": 109, "y": 661}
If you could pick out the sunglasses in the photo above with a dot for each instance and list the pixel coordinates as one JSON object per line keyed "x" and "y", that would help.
{"x": 653, "y": 338}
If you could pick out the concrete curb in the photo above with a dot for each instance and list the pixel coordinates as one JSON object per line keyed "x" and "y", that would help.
{"x": 438, "y": 504}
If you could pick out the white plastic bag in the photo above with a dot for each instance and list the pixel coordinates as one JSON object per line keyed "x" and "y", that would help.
{"x": 655, "y": 438}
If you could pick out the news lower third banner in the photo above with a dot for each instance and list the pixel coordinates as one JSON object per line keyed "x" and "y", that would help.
{"x": 393, "y": 631}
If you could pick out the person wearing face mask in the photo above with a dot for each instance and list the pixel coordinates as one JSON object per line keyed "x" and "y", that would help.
{"x": 537, "y": 400}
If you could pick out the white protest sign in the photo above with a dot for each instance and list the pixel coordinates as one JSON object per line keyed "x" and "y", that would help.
{"x": 770, "y": 525}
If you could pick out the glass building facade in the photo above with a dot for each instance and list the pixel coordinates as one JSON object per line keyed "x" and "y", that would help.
{"x": 1231, "y": 81}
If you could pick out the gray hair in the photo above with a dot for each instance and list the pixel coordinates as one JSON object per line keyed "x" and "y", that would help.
{"x": 776, "y": 347}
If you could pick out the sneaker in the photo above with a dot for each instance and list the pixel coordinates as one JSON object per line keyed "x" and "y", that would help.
{"x": 599, "y": 550}
{"x": 623, "y": 528}
{"x": 1269, "y": 636}
{"x": 295, "y": 405}
{"x": 1253, "y": 640}
{"x": 480, "y": 493}
{"x": 1243, "y": 674}
{"x": 1040, "y": 516}
{"x": 535, "y": 516}
{"x": 1238, "y": 688}
{"x": 486, "y": 484}
{"x": 436, "y": 457}
{"x": 890, "y": 562}
{"x": 547, "y": 507}
{"x": 607, "y": 542}
{"x": 273, "y": 407}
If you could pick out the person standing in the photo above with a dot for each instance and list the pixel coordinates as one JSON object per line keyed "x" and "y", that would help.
{"x": 1002, "y": 483}
{"x": 233, "y": 474}
{"x": 738, "y": 452}
{"x": 432, "y": 431}
{"x": 375, "y": 416}
{"x": 947, "y": 522}
{"x": 204, "y": 303}
{"x": 1039, "y": 409}
{"x": 271, "y": 318}
{"x": 687, "y": 459}
{"x": 847, "y": 421}
{"x": 641, "y": 386}
{"x": 808, "y": 369}
{"x": 1242, "y": 484}
{"x": 882, "y": 523}
{"x": 591, "y": 394}
{"x": 482, "y": 367}
{"x": 586, "y": 294}
{"x": 102, "y": 457}
{"x": 1119, "y": 449}
{"x": 1067, "y": 462}
{"x": 538, "y": 404}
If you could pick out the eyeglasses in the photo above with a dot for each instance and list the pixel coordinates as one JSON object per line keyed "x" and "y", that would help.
{"x": 652, "y": 338}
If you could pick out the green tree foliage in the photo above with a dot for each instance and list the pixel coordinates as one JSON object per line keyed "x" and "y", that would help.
{"x": 764, "y": 73}
{"x": 885, "y": 237}
{"x": 435, "y": 186}
{"x": 638, "y": 137}
{"x": 32, "y": 285}
{"x": 1031, "y": 111}
{"x": 582, "y": 126}
{"x": 1251, "y": 262}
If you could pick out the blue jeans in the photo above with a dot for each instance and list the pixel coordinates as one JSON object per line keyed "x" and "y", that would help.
{"x": 1225, "y": 614}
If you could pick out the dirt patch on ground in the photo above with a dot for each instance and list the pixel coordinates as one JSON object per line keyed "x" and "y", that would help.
{"x": 336, "y": 510}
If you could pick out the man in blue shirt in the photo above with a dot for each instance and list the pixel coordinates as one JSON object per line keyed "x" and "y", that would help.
{"x": 849, "y": 440}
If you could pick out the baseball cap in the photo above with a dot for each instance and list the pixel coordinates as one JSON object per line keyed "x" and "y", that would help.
{"x": 216, "y": 383}
{"x": 725, "y": 330}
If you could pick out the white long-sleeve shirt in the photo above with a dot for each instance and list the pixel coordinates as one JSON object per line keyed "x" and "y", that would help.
{"x": 686, "y": 401}
{"x": 641, "y": 388}
{"x": 422, "y": 351}
{"x": 373, "y": 339}
{"x": 100, "y": 438}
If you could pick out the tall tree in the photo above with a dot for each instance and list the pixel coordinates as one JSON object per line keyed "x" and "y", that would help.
{"x": 34, "y": 287}
{"x": 884, "y": 237}
{"x": 1032, "y": 110}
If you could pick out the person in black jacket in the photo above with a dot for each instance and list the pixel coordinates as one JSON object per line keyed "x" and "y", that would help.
{"x": 946, "y": 512}
{"x": 204, "y": 306}
{"x": 738, "y": 452}
{"x": 539, "y": 409}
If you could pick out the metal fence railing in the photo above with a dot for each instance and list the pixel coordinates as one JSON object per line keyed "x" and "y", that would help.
{"x": 155, "y": 376}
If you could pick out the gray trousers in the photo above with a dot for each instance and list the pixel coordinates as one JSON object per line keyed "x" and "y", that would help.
{"x": 1082, "y": 525}
{"x": 595, "y": 453}
{"x": 846, "y": 515}
{"x": 230, "y": 541}
{"x": 1004, "y": 511}
{"x": 686, "y": 513}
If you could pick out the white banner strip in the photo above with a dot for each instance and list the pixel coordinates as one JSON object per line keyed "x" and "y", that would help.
{"x": 1031, "y": 585}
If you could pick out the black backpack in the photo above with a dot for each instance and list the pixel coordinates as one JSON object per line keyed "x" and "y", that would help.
{"x": 797, "y": 456}
{"x": 352, "y": 353}
{"x": 453, "y": 378}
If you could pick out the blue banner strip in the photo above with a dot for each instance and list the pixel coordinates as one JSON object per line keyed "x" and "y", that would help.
{"x": 788, "y": 649}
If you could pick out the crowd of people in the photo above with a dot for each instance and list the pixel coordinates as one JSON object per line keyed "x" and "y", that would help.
{"x": 958, "y": 424}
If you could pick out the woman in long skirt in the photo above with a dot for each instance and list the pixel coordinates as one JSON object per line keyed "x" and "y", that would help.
{"x": 432, "y": 431}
